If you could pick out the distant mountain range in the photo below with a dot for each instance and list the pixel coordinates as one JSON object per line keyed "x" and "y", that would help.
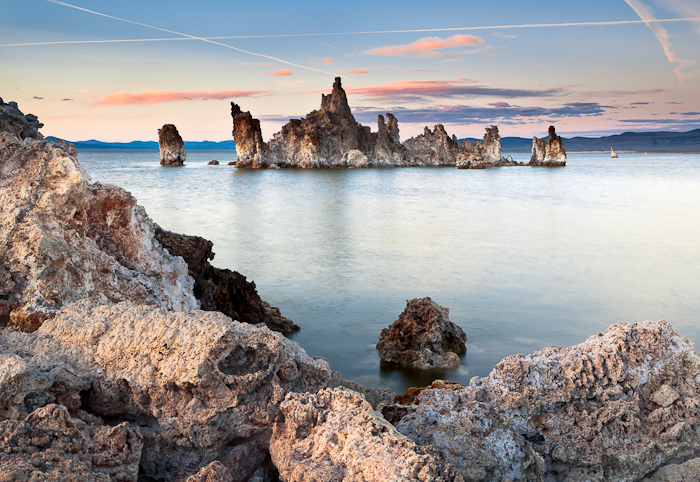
{"x": 203, "y": 145}
{"x": 629, "y": 141}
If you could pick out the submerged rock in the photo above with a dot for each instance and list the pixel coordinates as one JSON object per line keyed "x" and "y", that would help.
{"x": 213, "y": 163}
{"x": 65, "y": 238}
{"x": 19, "y": 125}
{"x": 221, "y": 289}
{"x": 549, "y": 153}
{"x": 335, "y": 435}
{"x": 616, "y": 407}
{"x": 423, "y": 337}
{"x": 196, "y": 386}
{"x": 172, "y": 148}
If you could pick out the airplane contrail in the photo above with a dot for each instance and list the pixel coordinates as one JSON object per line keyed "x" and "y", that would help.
{"x": 192, "y": 37}
{"x": 369, "y": 32}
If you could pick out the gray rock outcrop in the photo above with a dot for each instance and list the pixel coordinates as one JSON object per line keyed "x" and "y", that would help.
{"x": 548, "y": 153}
{"x": 19, "y": 125}
{"x": 616, "y": 407}
{"x": 423, "y": 337}
{"x": 172, "y": 147}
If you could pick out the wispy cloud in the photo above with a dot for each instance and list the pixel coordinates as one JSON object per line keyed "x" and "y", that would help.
{"x": 428, "y": 44}
{"x": 327, "y": 60}
{"x": 358, "y": 71}
{"x": 280, "y": 73}
{"x": 688, "y": 114}
{"x": 67, "y": 100}
{"x": 156, "y": 97}
{"x": 38, "y": 98}
{"x": 413, "y": 89}
{"x": 645, "y": 13}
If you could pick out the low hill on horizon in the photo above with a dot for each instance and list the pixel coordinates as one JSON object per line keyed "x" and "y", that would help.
{"x": 661, "y": 141}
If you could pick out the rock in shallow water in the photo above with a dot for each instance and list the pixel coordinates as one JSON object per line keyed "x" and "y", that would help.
{"x": 549, "y": 153}
{"x": 423, "y": 337}
{"x": 172, "y": 148}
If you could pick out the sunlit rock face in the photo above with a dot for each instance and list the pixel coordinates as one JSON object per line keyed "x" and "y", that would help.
{"x": 172, "y": 147}
{"x": 615, "y": 407}
{"x": 335, "y": 435}
{"x": 251, "y": 151}
{"x": 64, "y": 238}
{"x": 182, "y": 390}
{"x": 548, "y": 153}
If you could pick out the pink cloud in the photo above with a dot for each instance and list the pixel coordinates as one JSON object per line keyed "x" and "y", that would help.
{"x": 501, "y": 104}
{"x": 156, "y": 97}
{"x": 281, "y": 73}
{"x": 428, "y": 44}
{"x": 358, "y": 71}
{"x": 327, "y": 60}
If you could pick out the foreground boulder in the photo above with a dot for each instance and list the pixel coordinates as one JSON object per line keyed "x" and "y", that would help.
{"x": 335, "y": 435}
{"x": 549, "y": 153}
{"x": 423, "y": 337}
{"x": 191, "y": 387}
{"x": 616, "y": 407}
{"x": 172, "y": 147}
{"x": 65, "y": 238}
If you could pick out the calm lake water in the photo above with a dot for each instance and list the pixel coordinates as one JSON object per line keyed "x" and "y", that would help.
{"x": 523, "y": 257}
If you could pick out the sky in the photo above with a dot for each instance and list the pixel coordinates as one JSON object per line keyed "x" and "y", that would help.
{"x": 118, "y": 71}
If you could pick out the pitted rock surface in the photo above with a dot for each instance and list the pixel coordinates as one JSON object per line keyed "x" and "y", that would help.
{"x": 335, "y": 435}
{"x": 172, "y": 147}
{"x": 548, "y": 153}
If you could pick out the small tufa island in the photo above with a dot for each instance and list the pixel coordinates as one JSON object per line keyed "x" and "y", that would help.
{"x": 172, "y": 148}
{"x": 331, "y": 137}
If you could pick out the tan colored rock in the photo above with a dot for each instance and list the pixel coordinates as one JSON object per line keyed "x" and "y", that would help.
{"x": 49, "y": 445}
{"x": 423, "y": 337}
{"x": 550, "y": 153}
{"x": 688, "y": 471}
{"x": 198, "y": 386}
{"x": 214, "y": 472}
{"x": 64, "y": 238}
{"x": 172, "y": 147}
{"x": 433, "y": 147}
{"x": 335, "y": 435}
{"x": 213, "y": 163}
{"x": 616, "y": 407}
{"x": 251, "y": 150}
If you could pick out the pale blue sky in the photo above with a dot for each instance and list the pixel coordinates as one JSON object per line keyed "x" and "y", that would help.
{"x": 588, "y": 79}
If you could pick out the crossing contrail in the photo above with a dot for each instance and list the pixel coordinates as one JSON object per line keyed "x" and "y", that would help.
{"x": 330, "y": 34}
{"x": 191, "y": 37}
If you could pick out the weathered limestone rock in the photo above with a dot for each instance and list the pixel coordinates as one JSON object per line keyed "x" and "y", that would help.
{"x": 198, "y": 386}
{"x": 50, "y": 445}
{"x": 250, "y": 148}
{"x": 214, "y": 472}
{"x": 433, "y": 148}
{"x": 375, "y": 396}
{"x": 335, "y": 435}
{"x": 423, "y": 337}
{"x": 388, "y": 150}
{"x": 684, "y": 472}
{"x": 616, "y": 407}
{"x": 64, "y": 238}
{"x": 483, "y": 154}
{"x": 172, "y": 148}
{"x": 550, "y": 153}
{"x": 19, "y": 125}
{"x": 221, "y": 289}
{"x": 213, "y": 163}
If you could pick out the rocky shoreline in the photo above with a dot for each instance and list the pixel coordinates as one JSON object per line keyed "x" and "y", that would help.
{"x": 125, "y": 355}
{"x": 331, "y": 138}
